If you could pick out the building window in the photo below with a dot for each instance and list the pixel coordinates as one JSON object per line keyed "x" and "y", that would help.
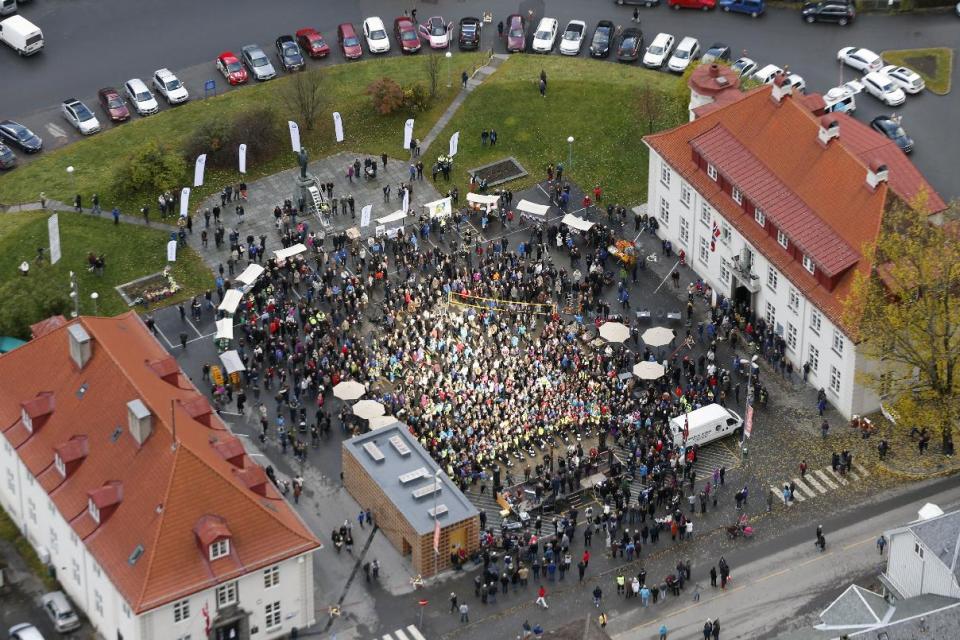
{"x": 73, "y": 538}
{"x": 271, "y": 615}
{"x": 32, "y": 509}
{"x": 219, "y": 548}
{"x": 684, "y": 230}
{"x": 808, "y": 264}
{"x": 724, "y": 271}
{"x": 759, "y": 217}
{"x": 665, "y": 173}
{"x": 813, "y": 357}
{"x": 271, "y": 577}
{"x": 773, "y": 278}
{"x": 838, "y": 342}
{"x": 98, "y": 602}
{"x": 96, "y": 569}
{"x": 93, "y": 510}
{"x": 54, "y": 543}
{"x": 815, "y": 320}
{"x": 834, "y": 380}
{"x": 181, "y": 610}
{"x": 782, "y": 239}
{"x": 725, "y": 233}
{"x": 704, "y": 250}
{"x": 771, "y": 314}
{"x": 917, "y": 549}
{"x": 76, "y": 570}
{"x": 792, "y": 337}
{"x": 664, "y": 214}
{"x": 126, "y": 610}
{"x": 712, "y": 172}
{"x": 793, "y": 300}
{"x": 685, "y": 194}
{"x": 705, "y": 214}
{"x": 736, "y": 195}
{"x": 11, "y": 481}
{"x": 226, "y": 594}
{"x": 58, "y": 463}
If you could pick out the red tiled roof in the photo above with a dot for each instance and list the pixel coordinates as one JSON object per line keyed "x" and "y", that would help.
{"x": 42, "y": 328}
{"x": 161, "y": 501}
{"x": 209, "y": 529}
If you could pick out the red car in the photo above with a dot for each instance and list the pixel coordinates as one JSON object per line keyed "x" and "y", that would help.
{"x": 113, "y": 105}
{"x": 230, "y": 67}
{"x": 703, "y": 5}
{"x": 406, "y": 34}
{"x": 349, "y": 42}
{"x": 311, "y": 41}
{"x": 516, "y": 33}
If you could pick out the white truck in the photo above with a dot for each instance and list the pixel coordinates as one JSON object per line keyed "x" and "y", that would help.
{"x": 22, "y": 35}
{"x": 707, "y": 424}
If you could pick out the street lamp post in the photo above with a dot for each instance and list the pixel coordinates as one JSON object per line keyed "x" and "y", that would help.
{"x": 75, "y": 294}
{"x": 569, "y": 154}
{"x": 73, "y": 178}
{"x": 94, "y": 296}
{"x": 752, "y": 362}
{"x": 436, "y": 542}
{"x": 449, "y": 57}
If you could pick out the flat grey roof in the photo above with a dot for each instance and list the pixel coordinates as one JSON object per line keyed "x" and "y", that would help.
{"x": 405, "y": 472}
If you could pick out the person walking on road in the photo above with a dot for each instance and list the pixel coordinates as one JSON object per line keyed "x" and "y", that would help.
{"x": 716, "y": 629}
{"x": 597, "y": 596}
{"x": 464, "y": 613}
{"x": 881, "y": 544}
{"x": 541, "y": 600}
{"x": 453, "y": 602}
{"x": 663, "y": 632}
{"x": 707, "y": 629}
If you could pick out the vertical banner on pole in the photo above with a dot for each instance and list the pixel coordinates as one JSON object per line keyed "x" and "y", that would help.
{"x": 338, "y": 126}
{"x": 198, "y": 170}
{"x": 365, "y": 215}
{"x": 406, "y": 201}
{"x": 172, "y": 251}
{"x": 407, "y": 133}
{"x": 184, "y": 202}
{"x": 243, "y": 158}
{"x": 454, "y": 143}
{"x": 294, "y": 135}
{"x": 53, "y": 229}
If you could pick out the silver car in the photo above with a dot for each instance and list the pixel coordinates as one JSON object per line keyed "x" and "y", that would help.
{"x": 257, "y": 62}
{"x": 61, "y": 612}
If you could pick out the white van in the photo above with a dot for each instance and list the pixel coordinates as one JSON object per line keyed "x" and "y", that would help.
{"x": 7, "y": 7}
{"x": 22, "y": 35}
{"x": 707, "y": 424}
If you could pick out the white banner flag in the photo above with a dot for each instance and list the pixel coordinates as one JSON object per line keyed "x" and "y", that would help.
{"x": 454, "y": 143}
{"x": 294, "y": 135}
{"x": 53, "y": 227}
{"x": 407, "y": 133}
{"x": 172, "y": 251}
{"x": 185, "y": 202}
{"x": 406, "y": 201}
{"x": 243, "y": 158}
{"x": 365, "y": 215}
{"x": 338, "y": 126}
{"x": 198, "y": 170}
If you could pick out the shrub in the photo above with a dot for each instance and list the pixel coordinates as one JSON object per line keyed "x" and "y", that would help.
{"x": 23, "y": 305}
{"x": 387, "y": 96}
{"x": 152, "y": 168}
{"x": 416, "y": 97}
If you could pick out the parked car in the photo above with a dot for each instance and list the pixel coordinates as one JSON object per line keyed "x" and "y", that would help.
{"x": 703, "y": 5}
{"x": 113, "y": 104}
{"x": 311, "y": 41}
{"x": 61, "y": 612}
{"x": 8, "y": 160}
{"x": 79, "y": 116}
{"x": 545, "y": 36}
{"x": 687, "y": 51}
{"x": 376, "y": 34}
{"x": 516, "y": 33}
{"x": 257, "y": 62}
{"x": 469, "y": 37}
{"x": 907, "y": 79}
{"x": 349, "y": 42}
{"x": 140, "y": 97}
{"x": 767, "y": 73}
{"x": 840, "y": 11}
{"x": 571, "y": 42}
{"x": 717, "y": 52}
{"x": 744, "y": 67}
{"x": 890, "y": 127}
{"x": 600, "y": 42}
{"x": 642, "y": 3}
{"x": 406, "y": 34}
{"x": 797, "y": 82}
{"x": 231, "y": 69}
{"x": 170, "y": 86}
{"x": 436, "y": 31}
{"x": 752, "y": 8}
{"x": 860, "y": 59}
{"x": 882, "y": 88}
{"x": 25, "y": 631}
{"x": 631, "y": 42}
{"x": 289, "y": 54}
{"x": 659, "y": 51}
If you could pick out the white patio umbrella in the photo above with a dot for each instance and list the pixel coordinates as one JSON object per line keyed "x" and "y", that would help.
{"x": 378, "y": 422}
{"x": 367, "y": 409}
{"x": 614, "y": 331}
{"x": 648, "y": 370}
{"x": 349, "y": 390}
{"x": 657, "y": 336}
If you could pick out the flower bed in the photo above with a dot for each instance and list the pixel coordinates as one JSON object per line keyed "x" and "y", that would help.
{"x": 152, "y": 288}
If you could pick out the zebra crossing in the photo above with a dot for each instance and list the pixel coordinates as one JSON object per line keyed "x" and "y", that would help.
{"x": 818, "y": 482}
{"x": 709, "y": 457}
{"x": 409, "y": 633}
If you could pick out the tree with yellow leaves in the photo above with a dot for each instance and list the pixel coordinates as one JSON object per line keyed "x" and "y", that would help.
{"x": 907, "y": 310}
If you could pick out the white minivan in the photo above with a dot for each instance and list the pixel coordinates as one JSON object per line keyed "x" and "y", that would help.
{"x": 707, "y": 424}
{"x": 22, "y": 35}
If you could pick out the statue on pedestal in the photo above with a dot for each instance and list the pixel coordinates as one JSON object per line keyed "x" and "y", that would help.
{"x": 303, "y": 159}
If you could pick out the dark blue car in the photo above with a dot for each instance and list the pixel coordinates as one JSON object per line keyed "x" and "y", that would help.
{"x": 752, "y": 8}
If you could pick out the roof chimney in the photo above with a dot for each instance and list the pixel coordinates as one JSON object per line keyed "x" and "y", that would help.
{"x": 829, "y": 129}
{"x": 81, "y": 347}
{"x": 781, "y": 88}
{"x": 877, "y": 172}
{"x": 140, "y": 421}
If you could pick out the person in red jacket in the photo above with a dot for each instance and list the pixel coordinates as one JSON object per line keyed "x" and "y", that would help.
{"x": 542, "y": 598}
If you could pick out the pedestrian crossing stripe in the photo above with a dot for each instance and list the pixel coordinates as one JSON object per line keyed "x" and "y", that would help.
{"x": 839, "y": 478}
{"x": 859, "y": 467}
{"x": 401, "y": 634}
{"x": 826, "y": 479}
{"x": 813, "y": 483}
{"x": 822, "y": 481}
{"x": 802, "y": 489}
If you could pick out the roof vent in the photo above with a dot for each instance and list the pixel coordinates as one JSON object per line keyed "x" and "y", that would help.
{"x": 427, "y": 490}
{"x": 374, "y": 451}
{"x": 81, "y": 347}
{"x": 877, "y": 172}
{"x": 437, "y": 511}
{"x": 721, "y": 81}
{"x": 34, "y": 413}
{"x": 140, "y": 421}
{"x": 714, "y": 70}
{"x": 781, "y": 88}
{"x": 400, "y": 446}
{"x": 414, "y": 475}
{"x": 829, "y": 129}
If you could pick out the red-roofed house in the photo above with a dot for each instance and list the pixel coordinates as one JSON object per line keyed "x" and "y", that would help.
{"x": 773, "y": 206}
{"x": 155, "y": 532}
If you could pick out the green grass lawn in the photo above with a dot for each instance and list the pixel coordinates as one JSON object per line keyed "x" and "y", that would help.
{"x": 95, "y": 159}
{"x": 934, "y": 65}
{"x": 603, "y": 106}
{"x": 131, "y": 252}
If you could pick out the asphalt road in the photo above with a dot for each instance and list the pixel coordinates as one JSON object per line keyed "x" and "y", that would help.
{"x": 95, "y": 43}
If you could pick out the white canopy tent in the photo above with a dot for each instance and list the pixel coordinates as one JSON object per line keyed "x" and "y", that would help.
{"x": 289, "y": 252}
{"x": 576, "y": 223}
{"x": 533, "y": 210}
{"x": 480, "y": 200}
{"x": 396, "y": 216}
{"x": 439, "y": 208}
{"x": 367, "y": 409}
{"x": 231, "y": 362}
{"x": 250, "y": 274}
{"x": 224, "y": 329}
{"x": 648, "y": 370}
{"x": 231, "y": 300}
{"x": 614, "y": 331}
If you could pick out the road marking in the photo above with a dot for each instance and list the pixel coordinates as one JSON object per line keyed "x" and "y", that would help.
{"x": 826, "y": 479}
{"x": 859, "y": 467}
{"x": 400, "y": 634}
{"x": 193, "y": 326}
{"x": 797, "y": 494}
{"x": 836, "y": 476}
{"x": 163, "y": 335}
{"x": 56, "y": 131}
{"x": 413, "y": 631}
{"x": 815, "y": 484}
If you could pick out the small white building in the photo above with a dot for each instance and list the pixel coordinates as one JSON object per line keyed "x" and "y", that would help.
{"x": 157, "y": 523}
{"x": 924, "y": 558}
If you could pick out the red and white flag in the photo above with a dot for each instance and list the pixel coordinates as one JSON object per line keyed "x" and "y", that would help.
{"x": 748, "y": 427}
{"x": 716, "y": 234}
{"x": 436, "y": 536}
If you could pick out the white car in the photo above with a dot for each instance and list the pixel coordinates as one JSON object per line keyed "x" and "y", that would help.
{"x": 170, "y": 86}
{"x": 376, "y": 35}
{"x": 658, "y": 51}
{"x": 883, "y": 89}
{"x": 766, "y": 74}
{"x": 860, "y": 59}
{"x": 572, "y": 40}
{"x": 545, "y": 35}
{"x": 24, "y": 631}
{"x": 797, "y": 82}
{"x": 744, "y": 67}
{"x": 907, "y": 79}
{"x": 687, "y": 51}
{"x": 436, "y": 32}
{"x": 78, "y": 115}
{"x": 140, "y": 97}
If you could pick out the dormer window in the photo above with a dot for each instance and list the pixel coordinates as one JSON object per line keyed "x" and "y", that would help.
{"x": 736, "y": 195}
{"x": 808, "y": 264}
{"x": 712, "y": 172}
{"x": 59, "y": 465}
{"x": 759, "y": 216}
{"x": 782, "y": 239}
{"x": 219, "y": 549}
{"x": 93, "y": 510}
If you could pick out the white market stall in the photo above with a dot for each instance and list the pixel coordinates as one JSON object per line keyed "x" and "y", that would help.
{"x": 481, "y": 201}
{"x": 283, "y": 254}
{"x": 391, "y": 224}
{"x": 224, "y": 329}
{"x": 231, "y": 362}
{"x": 250, "y": 275}
{"x": 439, "y": 208}
{"x": 577, "y": 224}
{"x": 533, "y": 211}
{"x": 231, "y": 300}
